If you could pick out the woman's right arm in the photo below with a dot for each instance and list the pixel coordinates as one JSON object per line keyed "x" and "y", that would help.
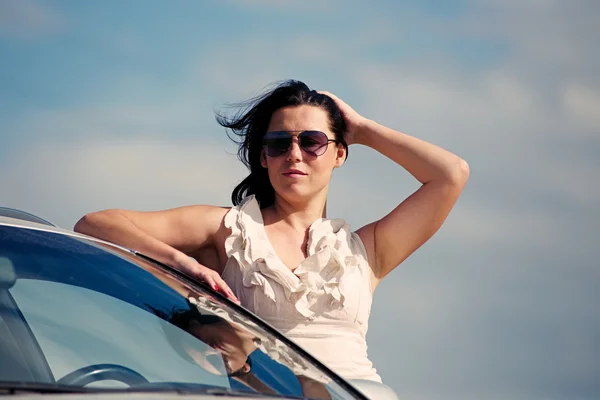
{"x": 164, "y": 235}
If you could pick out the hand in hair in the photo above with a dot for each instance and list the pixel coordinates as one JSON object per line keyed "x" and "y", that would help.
{"x": 354, "y": 120}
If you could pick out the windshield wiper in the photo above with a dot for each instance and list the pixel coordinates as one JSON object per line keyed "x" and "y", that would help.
{"x": 191, "y": 388}
{"x": 37, "y": 387}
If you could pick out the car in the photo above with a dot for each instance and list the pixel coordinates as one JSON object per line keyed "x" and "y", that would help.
{"x": 81, "y": 316}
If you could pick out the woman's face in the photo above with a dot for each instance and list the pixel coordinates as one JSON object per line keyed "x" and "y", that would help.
{"x": 296, "y": 174}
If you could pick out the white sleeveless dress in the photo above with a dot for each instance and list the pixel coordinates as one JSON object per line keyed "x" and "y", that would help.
{"x": 323, "y": 305}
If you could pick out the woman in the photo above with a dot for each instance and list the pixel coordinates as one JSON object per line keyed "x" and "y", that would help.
{"x": 310, "y": 277}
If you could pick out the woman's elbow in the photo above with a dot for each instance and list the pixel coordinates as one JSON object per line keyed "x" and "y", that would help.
{"x": 84, "y": 224}
{"x": 90, "y": 223}
{"x": 459, "y": 174}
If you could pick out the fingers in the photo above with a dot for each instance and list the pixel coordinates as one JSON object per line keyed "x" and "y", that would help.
{"x": 214, "y": 280}
{"x": 336, "y": 99}
{"x": 326, "y": 93}
{"x": 222, "y": 287}
{"x": 333, "y": 96}
{"x": 208, "y": 276}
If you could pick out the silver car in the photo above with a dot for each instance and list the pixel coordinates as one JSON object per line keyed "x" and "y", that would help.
{"x": 81, "y": 318}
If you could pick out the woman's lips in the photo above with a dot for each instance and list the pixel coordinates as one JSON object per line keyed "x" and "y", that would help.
{"x": 294, "y": 173}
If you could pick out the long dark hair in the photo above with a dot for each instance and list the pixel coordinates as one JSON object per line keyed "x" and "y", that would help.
{"x": 251, "y": 123}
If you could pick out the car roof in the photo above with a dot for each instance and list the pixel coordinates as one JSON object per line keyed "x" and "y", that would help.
{"x": 23, "y": 215}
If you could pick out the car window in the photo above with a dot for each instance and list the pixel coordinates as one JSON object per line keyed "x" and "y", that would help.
{"x": 88, "y": 304}
{"x": 76, "y": 327}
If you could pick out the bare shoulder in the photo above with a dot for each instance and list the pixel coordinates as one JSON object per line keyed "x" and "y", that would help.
{"x": 205, "y": 217}
{"x": 212, "y": 233}
{"x": 210, "y": 221}
{"x": 217, "y": 222}
{"x": 210, "y": 215}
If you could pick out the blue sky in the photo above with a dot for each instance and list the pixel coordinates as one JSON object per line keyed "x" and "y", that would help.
{"x": 111, "y": 104}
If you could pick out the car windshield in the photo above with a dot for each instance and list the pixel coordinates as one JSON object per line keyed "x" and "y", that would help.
{"x": 81, "y": 313}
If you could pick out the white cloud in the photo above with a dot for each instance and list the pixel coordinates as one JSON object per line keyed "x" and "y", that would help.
{"x": 240, "y": 69}
{"x": 103, "y": 122}
{"x": 64, "y": 180}
{"x": 554, "y": 37}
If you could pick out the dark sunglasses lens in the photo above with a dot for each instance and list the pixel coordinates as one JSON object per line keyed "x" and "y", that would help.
{"x": 276, "y": 143}
{"x": 313, "y": 142}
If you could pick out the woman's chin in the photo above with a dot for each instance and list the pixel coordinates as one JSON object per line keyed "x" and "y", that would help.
{"x": 296, "y": 193}
{"x": 292, "y": 191}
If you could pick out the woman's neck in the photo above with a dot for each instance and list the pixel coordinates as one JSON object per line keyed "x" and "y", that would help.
{"x": 299, "y": 216}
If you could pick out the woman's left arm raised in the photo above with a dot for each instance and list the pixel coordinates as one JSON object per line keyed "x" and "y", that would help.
{"x": 390, "y": 240}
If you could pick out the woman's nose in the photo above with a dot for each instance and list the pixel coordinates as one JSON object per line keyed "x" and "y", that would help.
{"x": 295, "y": 152}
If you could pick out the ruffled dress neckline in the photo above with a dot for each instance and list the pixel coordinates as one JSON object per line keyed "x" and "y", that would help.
{"x": 329, "y": 255}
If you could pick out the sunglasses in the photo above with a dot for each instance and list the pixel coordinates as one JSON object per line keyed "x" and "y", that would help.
{"x": 278, "y": 143}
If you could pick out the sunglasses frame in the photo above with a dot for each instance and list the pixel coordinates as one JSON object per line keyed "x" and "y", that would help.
{"x": 316, "y": 153}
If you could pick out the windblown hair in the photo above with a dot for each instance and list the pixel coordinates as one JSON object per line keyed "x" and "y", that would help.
{"x": 251, "y": 123}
